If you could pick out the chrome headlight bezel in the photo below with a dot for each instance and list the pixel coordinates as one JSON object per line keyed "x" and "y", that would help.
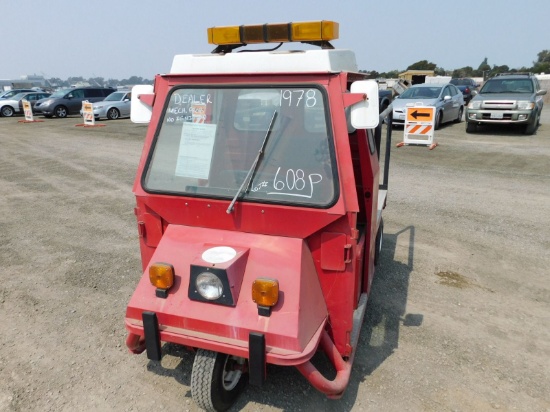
{"x": 203, "y": 279}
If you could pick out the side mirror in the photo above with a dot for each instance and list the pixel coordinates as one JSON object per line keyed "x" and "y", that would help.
{"x": 365, "y": 115}
{"x": 447, "y": 98}
{"x": 140, "y": 112}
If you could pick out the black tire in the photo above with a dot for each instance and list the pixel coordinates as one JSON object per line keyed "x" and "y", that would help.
{"x": 460, "y": 112}
{"x": 531, "y": 128}
{"x": 437, "y": 123}
{"x": 217, "y": 380}
{"x": 471, "y": 127}
{"x": 61, "y": 112}
{"x": 49, "y": 116}
{"x": 7, "y": 111}
{"x": 378, "y": 245}
{"x": 113, "y": 113}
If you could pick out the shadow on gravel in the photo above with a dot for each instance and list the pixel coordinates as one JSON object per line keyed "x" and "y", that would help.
{"x": 286, "y": 389}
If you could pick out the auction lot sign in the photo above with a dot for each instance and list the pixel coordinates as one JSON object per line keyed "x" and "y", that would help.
{"x": 419, "y": 125}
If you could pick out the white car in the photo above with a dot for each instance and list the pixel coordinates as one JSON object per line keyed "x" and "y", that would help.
{"x": 115, "y": 106}
{"x": 446, "y": 98}
{"x": 14, "y": 105}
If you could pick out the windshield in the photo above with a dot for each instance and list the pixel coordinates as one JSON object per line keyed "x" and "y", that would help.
{"x": 427, "y": 92}
{"x": 19, "y": 96}
{"x": 209, "y": 139}
{"x": 60, "y": 92}
{"x": 461, "y": 82}
{"x": 115, "y": 97}
{"x": 507, "y": 86}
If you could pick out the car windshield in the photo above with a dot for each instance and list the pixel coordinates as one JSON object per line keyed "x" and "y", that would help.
{"x": 60, "y": 92}
{"x": 19, "y": 96}
{"x": 115, "y": 97}
{"x": 10, "y": 94}
{"x": 507, "y": 86}
{"x": 425, "y": 92}
{"x": 209, "y": 139}
{"x": 461, "y": 82}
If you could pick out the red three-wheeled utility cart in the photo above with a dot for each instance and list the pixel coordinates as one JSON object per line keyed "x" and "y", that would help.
{"x": 259, "y": 208}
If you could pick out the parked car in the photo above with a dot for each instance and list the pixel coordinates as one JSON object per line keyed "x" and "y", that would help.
{"x": 115, "y": 106}
{"x": 8, "y": 94}
{"x": 385, "y": 97}
{"x": 507, "y": 99}
{"x": 467, "y": 86}
{"x": 14, "y": 105}
{"x": 446, "y": 98}
{"x": 69, "y": 101}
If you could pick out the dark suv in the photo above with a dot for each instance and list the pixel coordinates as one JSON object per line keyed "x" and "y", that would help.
{"x": 507, "y": 99}
{"x": 69, "y": 101}
{"x": 467, "y": 86}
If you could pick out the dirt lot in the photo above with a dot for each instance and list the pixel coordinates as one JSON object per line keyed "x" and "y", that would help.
{"x": 459, "y": 317}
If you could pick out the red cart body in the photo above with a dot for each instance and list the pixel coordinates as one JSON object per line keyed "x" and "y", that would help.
{"x": 259, "y": 214}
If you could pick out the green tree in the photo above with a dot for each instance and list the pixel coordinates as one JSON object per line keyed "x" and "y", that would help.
{"x": 543, "y": 57}
{"x": 466, "y": 71}
{"x": 422, "y": 65}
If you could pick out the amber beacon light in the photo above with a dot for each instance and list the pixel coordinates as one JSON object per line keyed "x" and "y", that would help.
{"x": 310, "y": 32}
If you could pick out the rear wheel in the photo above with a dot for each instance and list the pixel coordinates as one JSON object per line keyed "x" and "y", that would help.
{"x": 7, "y": 111}
{"x": 471, "y": 127}
{"x": 61, "y": 112}
{"x": 378, "y": 245}
{"x": 113, "y": 114}
{"x": 459, "y": 118}
{"x": 217, "y": 379}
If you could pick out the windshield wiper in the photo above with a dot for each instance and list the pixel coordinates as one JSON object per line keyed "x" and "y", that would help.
{"x": 248, "y": 178}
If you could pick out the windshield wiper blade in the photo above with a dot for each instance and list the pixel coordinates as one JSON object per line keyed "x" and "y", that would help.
{"x": 248, "y": 178}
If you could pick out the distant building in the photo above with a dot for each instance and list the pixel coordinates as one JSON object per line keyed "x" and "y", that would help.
{"x": 25, "y": 82}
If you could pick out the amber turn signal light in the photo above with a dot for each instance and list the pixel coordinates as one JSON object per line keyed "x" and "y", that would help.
{"x": 265, "y": 292}
{"x": 161, "y": 275}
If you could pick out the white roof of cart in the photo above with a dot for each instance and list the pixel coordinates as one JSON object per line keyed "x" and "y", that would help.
{"x": 304, "y": 61}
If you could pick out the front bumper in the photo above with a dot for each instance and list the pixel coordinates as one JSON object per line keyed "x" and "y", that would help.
{"x": 499, "y": 116}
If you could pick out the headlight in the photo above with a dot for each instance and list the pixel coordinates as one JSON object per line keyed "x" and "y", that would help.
{"x": 474, "y": 104}
{"x": 209, "y": 286}
{"x": 46, "y": 103}
{"x": 525, "y": 105}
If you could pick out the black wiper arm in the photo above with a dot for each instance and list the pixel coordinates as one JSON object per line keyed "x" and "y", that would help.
{"x": 248, "y": 178}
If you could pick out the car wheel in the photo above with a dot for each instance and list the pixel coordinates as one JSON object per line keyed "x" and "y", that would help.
{"x": 471, "y": 127}
{"x": 532, "y": 127}
{"x": 7, "y": 111}
{"x": 459, "y": 118}
{"x": 217, "y": 379}
{"x": 437, "y": 123}
{"x": 61, "y": 112}
{"x": 113, "y": 114}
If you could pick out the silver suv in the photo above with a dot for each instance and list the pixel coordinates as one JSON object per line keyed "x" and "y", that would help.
{"x": 507, "y": 99}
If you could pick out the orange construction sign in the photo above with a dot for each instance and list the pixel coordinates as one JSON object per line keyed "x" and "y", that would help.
{"x": 420, "y": 114}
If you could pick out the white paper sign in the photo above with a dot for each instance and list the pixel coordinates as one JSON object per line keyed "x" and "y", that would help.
{"x": 195, "y": 151}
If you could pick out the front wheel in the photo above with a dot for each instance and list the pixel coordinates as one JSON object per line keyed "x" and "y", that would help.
{"x": 217, "y": 379}
{"x": 532, "y": 127}
{"x": 61, "y": 112}
{"x": 471, "y": 127}
{"x": 113, "y": 114}
{"x": 437, "y": 123}
{"x": 7, "y": 111}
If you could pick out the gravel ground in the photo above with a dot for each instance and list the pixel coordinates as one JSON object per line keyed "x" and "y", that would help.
{"x": 458, "y": 319}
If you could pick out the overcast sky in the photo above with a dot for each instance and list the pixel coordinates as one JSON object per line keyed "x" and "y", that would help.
{"x": 123, "y": 38}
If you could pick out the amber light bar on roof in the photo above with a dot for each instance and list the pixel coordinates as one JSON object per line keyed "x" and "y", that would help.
{"x": 313, "y": 31}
